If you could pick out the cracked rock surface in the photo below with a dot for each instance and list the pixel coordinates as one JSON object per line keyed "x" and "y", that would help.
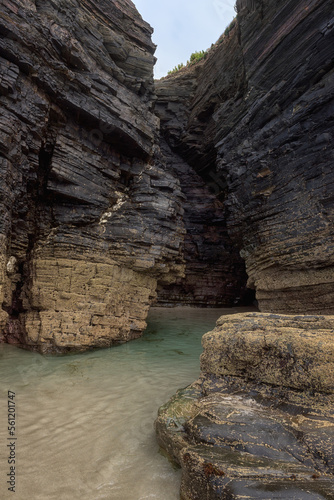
{"x": 257, "y": 430}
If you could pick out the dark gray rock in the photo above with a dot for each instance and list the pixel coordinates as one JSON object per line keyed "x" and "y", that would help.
{"x": 214, "y": 271}
{"x": 255, "y": 120}
{"x": 84, "y": 212}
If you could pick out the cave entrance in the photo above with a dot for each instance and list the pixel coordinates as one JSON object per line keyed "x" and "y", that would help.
{"x": 215, "y": 273}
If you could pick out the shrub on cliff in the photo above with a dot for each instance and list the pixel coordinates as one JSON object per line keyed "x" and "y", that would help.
{"x": 197, "y": 56}
{"x": 176, "y": 69}
{"x": 194, "y": 58}
{"x": 230, "y": 27}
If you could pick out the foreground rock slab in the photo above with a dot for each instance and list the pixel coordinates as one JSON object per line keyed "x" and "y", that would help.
{"x": 288, "y": 351}
{"x": 239, "y": 433}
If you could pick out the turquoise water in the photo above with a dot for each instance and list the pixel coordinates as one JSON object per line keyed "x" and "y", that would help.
{"x": 84, "y": 423}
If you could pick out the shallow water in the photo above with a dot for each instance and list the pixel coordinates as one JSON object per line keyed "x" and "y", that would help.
{"x": 84, "y": 423}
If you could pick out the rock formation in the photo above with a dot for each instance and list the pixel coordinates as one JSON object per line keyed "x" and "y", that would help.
{"x": 98, "y": 212}
{"x": 103, "y": 212}
{"x": 255, "y": 120}
{"x": 259, "y": 421}
{"x": 90, "y": 218}
{"x": 214, "y": 271}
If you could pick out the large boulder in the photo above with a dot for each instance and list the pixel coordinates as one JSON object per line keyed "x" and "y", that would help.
{"x": 259, "y": 422}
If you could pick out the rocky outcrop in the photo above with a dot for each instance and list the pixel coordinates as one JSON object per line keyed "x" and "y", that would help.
{"x": 259, "y": 422}
{"x": 90, "y": 219}
{"x": 296, "y": 352}
{"x": 255, "y": 120}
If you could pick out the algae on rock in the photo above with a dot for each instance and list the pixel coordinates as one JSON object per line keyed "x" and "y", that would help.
{"x": 255, "y": 422}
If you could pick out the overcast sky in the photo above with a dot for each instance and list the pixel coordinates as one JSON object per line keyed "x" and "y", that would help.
{"x": 182, "y": 27}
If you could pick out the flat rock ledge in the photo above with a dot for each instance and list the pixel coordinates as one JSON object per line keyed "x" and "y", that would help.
{"x": 259, "y": 422}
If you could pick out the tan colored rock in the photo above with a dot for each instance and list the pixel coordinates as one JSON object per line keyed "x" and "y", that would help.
{"x": 77, "y": 304}
{"x": 281, "y": 350}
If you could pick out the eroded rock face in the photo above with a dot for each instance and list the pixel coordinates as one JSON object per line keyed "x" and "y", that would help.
{"x": 90, "y": 218}
{"x": 91, "y": 209}
{"x": 214, "y": 271}
{"x": 255, "y": 119}
{"x": 296, "y": 352}
{"x": 259, "y": 422}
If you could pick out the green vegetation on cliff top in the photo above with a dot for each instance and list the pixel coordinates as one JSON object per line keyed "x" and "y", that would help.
{"x": 202, "y": 54}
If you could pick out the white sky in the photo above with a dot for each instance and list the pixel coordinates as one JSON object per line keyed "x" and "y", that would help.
{"x": 182, "y": 27}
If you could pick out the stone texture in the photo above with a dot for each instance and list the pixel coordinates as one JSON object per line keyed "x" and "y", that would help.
{"x": 289, "y": 351}
{"x": 90, "y": 220}
{"x": 214, "y": 271}
{"x": 255, "y": 120}
{"x": 87, "y": 192}
{"x": 259, "y": 422}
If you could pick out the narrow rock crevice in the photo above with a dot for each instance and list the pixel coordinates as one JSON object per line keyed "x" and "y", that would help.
{"x": 269, "y": 113}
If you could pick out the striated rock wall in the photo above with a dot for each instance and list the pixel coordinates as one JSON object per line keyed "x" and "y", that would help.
{"x": 214, "y": 271}
{"x": 90, "y": 220}
{"x": 96, "y": 217}
{"x": 255, "y": 120}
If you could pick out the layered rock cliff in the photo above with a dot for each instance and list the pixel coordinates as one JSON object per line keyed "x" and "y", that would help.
{"x": 90, "y": 218}
{"x": 214, "y": 271}
{"x": 255, "y": 120}
{"x": 99, "y": 212}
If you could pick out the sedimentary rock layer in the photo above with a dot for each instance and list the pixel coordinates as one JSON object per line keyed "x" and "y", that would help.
{"x": 91, "y": 209}
{"x": 214, "y": 271}
{"x": 260, "y": 419}
{"x": 255, "y": 119}
{"x": 90, "y": 218}
{"x": 289, "y": 351}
